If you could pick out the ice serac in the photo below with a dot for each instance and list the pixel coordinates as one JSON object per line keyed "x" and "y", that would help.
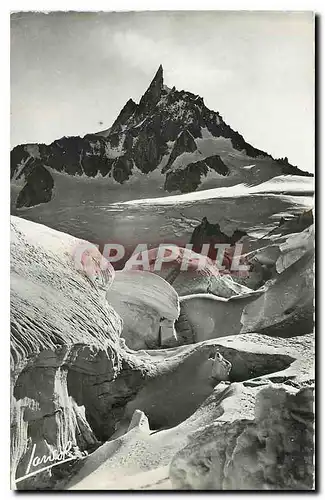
{"x": 184, "y": 143}
{"x": 263, "y": 439}
{"x": 60, "y": 326}
{"x": 148, "y": 305}
{"x": 38, "y": 186}
{"x": 283, "y": 307}
{"x": 71, "y": 376}
{"x": 266, "y": 396}
{"x": 73, "y": 379}
{"x": 170, "y": 132}
{"x": 264, "y": 453}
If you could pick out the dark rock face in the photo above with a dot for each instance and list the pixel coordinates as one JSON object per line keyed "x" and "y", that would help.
{"x": 184, "y": 144}
{"x": 148, "y": 149}
{"x": 289, "y": 169}
{"x": 124, "y": 116}
{"x": 186, "y": 180}
{"x": 189, "y": 178}
{"x": 165, "y": 122}
{"x": 215, "y": 163}
{"x": 38, "y": 188}
{"x": 207, "y": 233}
{"x": 18, "y": 155}
{"x": 122, "y": 169}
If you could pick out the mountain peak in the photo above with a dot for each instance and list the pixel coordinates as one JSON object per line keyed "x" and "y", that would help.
{"x": 159, "y": 76}
{"x": 124, "y": 115}
{"x": 153, "y": 94}
{"x": 171, "y": 131}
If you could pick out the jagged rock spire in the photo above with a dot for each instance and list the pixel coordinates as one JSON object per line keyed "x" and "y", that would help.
{"x": 124, "y": 115}
{"x": 153, "y": 94}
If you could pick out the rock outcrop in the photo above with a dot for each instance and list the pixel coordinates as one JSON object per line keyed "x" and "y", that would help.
{"x": 210, "y": 234}
{"x": 189, "y": 178}
{"x": 73, "y": 379}
{"x": 272, "y": 452}
{"x": 61, "y": 328}
{"x": 287, "y": 306}
{"x": 169, "y": 131}
{"x": 263, "y": 439}
{"x": 38, "y": 186}
{"x": 184, "y": 143}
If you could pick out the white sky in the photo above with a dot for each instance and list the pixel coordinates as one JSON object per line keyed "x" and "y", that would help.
{"x": 70, "y": 71}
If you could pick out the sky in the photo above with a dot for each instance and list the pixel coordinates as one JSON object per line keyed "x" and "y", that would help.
{"x": 72, "y": 72}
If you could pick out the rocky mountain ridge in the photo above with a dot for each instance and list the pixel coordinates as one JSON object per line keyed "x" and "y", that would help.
{"x": 169, "y": 131}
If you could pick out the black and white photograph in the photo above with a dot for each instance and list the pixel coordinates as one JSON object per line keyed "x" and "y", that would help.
{"x": 162, "y": 280}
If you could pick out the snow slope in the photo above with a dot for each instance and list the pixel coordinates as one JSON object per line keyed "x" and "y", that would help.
{"x": 278, "y": 185}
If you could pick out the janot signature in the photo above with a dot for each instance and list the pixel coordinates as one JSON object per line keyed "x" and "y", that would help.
{"x": 58, "y": 457}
